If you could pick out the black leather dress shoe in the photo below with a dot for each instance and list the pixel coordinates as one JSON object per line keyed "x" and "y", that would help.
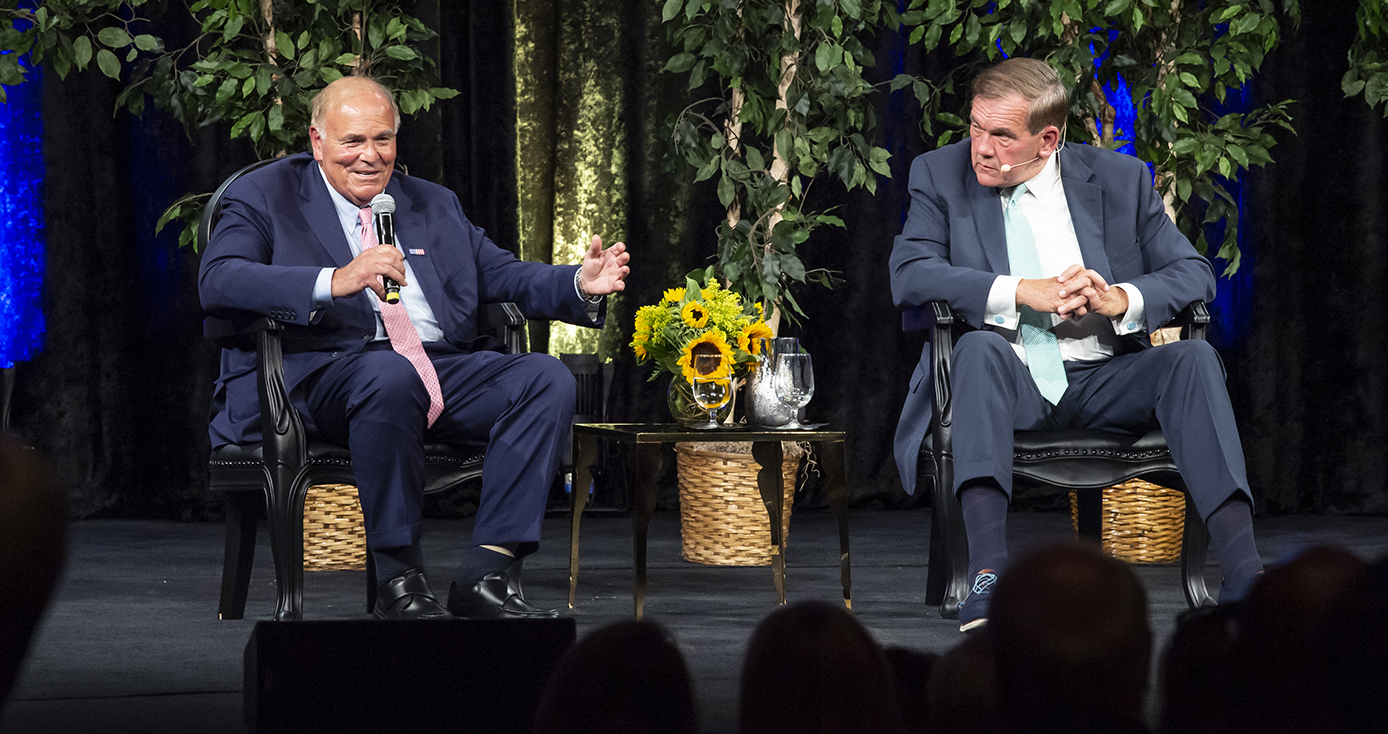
{"x": 408, "y": 596}
{"x": 495, "y": 596}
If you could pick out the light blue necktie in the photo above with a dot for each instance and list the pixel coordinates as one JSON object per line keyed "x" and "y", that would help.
{"x": 1043, "y": 352}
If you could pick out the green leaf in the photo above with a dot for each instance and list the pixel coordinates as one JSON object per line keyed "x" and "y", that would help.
{"x": 109, "y": 64}
{"x": 284, "y": 45}
{"x": 113, "y": 37}
{"x": 827, "y": 56}
{"x": 248, "y": 86}
{"x": 1247, "y": 23}
{"x": 82, "y": 51}
{"x": 146, "y": 42}
{"x": 679, "y": 63}
{"x": 225, "y": 91}
{"x": 403, "y": 53}
{"x": 671, "y": 9}
{"x": 725, "y": 191}
{"x": 1115, "y": 7}
{"x": 275, "y": 118}
{"x": 346, "y": 59}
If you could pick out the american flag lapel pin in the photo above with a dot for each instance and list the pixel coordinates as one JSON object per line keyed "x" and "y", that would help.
{"x": 416, "y": 251}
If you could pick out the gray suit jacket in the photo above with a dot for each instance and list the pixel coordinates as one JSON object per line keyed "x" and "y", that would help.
{"x": 952, "y": 247}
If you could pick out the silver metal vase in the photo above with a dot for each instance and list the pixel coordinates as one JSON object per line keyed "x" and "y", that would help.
{"x": 762, "y": 406}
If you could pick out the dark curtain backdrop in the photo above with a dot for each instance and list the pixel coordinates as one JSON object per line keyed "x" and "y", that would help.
{"x": 118, "y": 398}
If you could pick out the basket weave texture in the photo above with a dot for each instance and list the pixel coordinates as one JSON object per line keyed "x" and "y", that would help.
{"x": 722, "y": 519}
{"x": 334, "y": 534}
{"x": 1141, "y": 523}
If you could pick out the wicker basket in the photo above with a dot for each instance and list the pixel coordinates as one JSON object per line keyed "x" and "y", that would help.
{"x": 722, "y": 518}
{"x": 1141, "y": 522}
{"x": 334, "y": 534}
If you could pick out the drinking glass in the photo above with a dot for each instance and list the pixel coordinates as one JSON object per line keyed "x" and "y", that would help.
{"x": 712, "y": 387}
{"x": 794, "y": 380}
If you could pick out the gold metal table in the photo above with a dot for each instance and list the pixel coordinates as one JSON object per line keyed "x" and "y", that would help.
{"x": 648, "y": 439}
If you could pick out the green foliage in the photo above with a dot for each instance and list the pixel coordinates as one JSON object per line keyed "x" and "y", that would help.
{"x": 1368, "y": 57}
{"x": 1177, "y": 57}
{"x": 255, "y": 73}
{"x": 764, "y": 148}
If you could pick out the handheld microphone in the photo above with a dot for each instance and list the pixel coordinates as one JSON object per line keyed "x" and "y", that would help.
{"x": 383, "y": 211}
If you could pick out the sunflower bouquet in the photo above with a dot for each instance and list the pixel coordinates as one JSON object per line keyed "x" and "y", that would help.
{"x": 697, "y": 320}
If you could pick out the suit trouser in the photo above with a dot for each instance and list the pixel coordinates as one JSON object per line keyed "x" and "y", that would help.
{"x": 1178, "y": 386}
{"x": 520, "y": 404}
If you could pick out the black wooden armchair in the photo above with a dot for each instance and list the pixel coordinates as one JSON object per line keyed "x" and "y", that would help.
{"x": 277, "y": 472}
{"x": 1084, "y": 460}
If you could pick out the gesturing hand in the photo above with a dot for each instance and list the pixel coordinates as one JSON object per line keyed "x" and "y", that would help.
{"x": 365, "y": 272}
{"x": 604, "y": 271}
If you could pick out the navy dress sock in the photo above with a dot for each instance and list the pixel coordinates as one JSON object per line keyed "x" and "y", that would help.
{"x": 478, "y": 562}
{"x": 985, "y": 518}
{"x": 1231, "y": 539}
{"x": 391, "y": 562}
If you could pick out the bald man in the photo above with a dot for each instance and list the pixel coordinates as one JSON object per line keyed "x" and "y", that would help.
{"x": 296, "y": 241}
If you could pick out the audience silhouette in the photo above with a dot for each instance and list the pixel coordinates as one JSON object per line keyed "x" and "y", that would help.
{"x": 1068, "y": 648}
{"x": 625, "y": 678}
{"x": 811, "y": 668}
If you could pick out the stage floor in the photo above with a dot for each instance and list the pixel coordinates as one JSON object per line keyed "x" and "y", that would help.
{"x": 132, "y": 642}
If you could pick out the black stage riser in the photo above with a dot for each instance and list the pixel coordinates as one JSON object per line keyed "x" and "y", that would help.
{"x": 350, "y": 676}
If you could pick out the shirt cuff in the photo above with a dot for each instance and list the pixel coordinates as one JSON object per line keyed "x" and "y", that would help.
{"x": 1001, "y": 310}
{"x": 579, "y": 290}
{"x": 323, "y": 289}
{"x": 1132, "y": 321}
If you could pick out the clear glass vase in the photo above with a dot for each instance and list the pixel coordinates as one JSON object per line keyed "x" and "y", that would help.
{"x": 686, "y": 411}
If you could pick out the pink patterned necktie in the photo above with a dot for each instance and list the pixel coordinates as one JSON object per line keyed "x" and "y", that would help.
{"x": 404, "y": 338}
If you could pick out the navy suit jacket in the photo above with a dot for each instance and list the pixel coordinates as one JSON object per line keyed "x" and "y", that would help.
{"x": 279, "y": 229}
{"x": 952, "y": 247}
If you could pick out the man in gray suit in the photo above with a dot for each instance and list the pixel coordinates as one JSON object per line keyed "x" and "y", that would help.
{"x": 1062, "y": 263}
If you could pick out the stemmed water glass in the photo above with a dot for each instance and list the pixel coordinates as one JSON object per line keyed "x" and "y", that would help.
{"x": 712, "y": 387}
{"x": 794, "y": 381}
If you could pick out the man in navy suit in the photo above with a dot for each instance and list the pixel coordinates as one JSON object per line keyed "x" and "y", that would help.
{"x": 296, "y": 241}
{"x": 1062, "y": 263}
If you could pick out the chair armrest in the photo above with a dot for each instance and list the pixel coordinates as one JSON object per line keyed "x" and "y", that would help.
{"x": 1193, "y": 320}
{"x": 505, "y": 322}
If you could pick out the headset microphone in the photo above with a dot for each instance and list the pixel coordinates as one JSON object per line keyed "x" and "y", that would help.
{"x": 1006, "y": 167}
{"x": 383, "y": 211}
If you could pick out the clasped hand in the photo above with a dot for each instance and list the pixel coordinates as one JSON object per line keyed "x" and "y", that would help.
{"x": 365, "y": 272}
{"x": 1075, "y": 292}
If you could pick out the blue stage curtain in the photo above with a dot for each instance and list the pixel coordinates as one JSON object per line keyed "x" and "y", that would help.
{"x": 21, "y": 222}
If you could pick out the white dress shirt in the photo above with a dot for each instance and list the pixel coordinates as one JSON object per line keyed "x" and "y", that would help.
{"x": 1091, "y": 337}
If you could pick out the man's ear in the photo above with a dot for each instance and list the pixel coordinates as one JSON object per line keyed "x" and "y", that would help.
{"x": 315, "y": 139}
{"x": 1050, "y": 140}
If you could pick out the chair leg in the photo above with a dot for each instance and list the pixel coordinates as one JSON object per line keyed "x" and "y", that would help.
{"x": 287, "y": 547}
{"x": 370, "y": 582}
{"x": 1195, "y": 541}
{"x": 953, "y": 548}
{"x": 1089, "y": 514}
{"x": 243, "y": 515}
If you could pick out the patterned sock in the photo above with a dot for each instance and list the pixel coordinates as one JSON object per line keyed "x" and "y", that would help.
{"x": 391, "y": 562}
{"x": 1231, "y": 539}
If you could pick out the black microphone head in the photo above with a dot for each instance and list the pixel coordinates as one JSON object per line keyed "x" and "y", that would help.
{"x": 383, "y": 204}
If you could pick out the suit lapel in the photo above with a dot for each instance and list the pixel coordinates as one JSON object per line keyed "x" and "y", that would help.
{"x": 412, "y": 232}
{"x": 317, "y": 208}
{"x": 1086, "y": 202}
{"x": 987, "y": 216}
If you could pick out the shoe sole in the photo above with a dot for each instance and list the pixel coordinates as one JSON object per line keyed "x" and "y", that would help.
{"x": 971, "y": 626}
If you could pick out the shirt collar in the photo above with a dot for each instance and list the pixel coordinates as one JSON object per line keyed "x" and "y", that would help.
{"x": 1043, "y": 184}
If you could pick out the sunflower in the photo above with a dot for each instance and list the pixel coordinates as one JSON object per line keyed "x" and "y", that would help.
{"x": 712, "y": 342}
{"x": 673, "y": 295}
{"x": 749, "y": 340}
{"x": 695, "y": 315}
{"x": 638, "y": 345}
